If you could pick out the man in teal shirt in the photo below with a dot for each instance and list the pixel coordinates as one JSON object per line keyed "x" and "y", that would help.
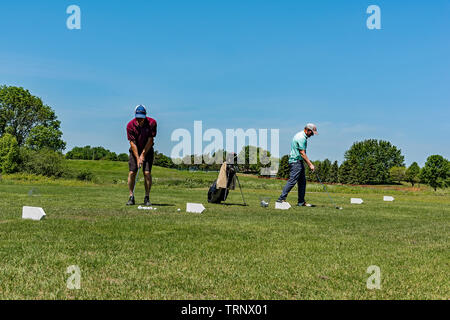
{"x": 297, "y": 166}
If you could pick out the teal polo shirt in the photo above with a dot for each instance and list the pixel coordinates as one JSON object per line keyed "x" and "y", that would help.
{"x": 300, "y": 142}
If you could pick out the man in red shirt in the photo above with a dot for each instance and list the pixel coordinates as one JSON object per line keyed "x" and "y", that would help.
{"x": 141, "y": 132}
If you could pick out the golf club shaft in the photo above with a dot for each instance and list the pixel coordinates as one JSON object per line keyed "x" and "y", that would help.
{"x": 136, "y": 180}
{"x": 326, "y": 190}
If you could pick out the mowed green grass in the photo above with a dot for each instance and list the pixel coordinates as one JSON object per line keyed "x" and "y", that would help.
{"x": 229, "y": 251}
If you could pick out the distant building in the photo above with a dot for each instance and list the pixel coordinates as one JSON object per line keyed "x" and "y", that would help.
{"x": 268, "y": 172}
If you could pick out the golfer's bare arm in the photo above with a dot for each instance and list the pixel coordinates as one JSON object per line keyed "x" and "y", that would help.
{"x": 134, "y": 149}
{"x": 149, "y": 144}
{"x": 305, "y": 157}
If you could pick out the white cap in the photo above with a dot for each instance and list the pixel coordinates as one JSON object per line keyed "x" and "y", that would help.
{"x": 312, "y": 127}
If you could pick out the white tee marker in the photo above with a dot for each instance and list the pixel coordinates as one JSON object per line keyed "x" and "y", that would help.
{"x": 195, "y": 208}
{"x": 282, "y": 205}
{"x": 33, "y": 213}
{"x": 388, "y": 198}
{"x": 356, "y": 201}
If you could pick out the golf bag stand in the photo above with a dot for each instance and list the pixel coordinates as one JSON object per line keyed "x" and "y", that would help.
{"x": 239, "y": 184}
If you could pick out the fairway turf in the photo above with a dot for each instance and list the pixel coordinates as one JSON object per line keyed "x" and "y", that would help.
{"x": 229, "y": 251}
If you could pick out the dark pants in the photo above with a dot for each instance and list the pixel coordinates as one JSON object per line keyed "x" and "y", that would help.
{"x": 297, "y": 175}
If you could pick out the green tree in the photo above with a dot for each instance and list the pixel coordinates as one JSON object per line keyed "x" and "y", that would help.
{"x": 369, "y": 162}
{"x": 252, "y": 159}
{"x": 45, "y": 137}
{"x": 123, "y": 157}
{"x": 80, "y": 153}
{"x": 214, "y": 160}
{"x": 74, "y": 154}
{"x": 283, "y": 169}
{"x": 92, "y": 153}
{"x": 21, "y": 112}
{"x": 44, "y": 162}
{"x": 111, "y": 156}
{"x": 412, "y": 173}
{"x": 9, "y": 154}
{"x": 334, "y": 173}
{"x": 162, "y": 160}
{"x": 436, "y": 172}
{"x": 345, "y": 173}
{"x": 397, "y": 174}
{"x": 98, "y": 153}
{"x": 324, "y": 173}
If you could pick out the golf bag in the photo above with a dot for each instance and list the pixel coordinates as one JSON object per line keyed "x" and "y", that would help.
{"x": 217, "y": 195}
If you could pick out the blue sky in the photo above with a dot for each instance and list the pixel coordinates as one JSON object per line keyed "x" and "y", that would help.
{"x": 238, "y": 64}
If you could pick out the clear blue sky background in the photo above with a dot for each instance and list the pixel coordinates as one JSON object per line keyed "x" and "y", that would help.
{"x": 238, "y": 64}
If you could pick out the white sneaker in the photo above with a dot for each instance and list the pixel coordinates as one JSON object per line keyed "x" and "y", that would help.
{"x": 305, "y": 204}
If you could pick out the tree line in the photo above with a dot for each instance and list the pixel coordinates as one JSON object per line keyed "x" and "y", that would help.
{"x": 375, "y": 162}
{"x": 31, "y": 142}
{"x": 101, "y": 153}
{"x": 250, "y": 160}
{"x": 95, "y": 153}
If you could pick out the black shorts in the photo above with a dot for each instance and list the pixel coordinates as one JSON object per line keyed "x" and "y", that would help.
{"x": 146, "y": 166}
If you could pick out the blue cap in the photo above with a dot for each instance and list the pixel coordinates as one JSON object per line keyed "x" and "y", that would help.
{"x": 140, "y": 112}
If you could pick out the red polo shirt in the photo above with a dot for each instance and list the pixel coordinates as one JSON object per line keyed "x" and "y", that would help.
{"x": 140, "y": 135}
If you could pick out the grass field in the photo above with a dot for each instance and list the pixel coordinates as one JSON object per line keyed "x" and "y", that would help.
{"x": 228, "y": 252}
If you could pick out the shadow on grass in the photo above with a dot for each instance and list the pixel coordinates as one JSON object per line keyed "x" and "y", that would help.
{"x": 235, "y": 204}
{"x": 163, "y": 204}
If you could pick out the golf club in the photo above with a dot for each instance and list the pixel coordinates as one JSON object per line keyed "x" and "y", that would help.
{"x": 325, "y": 188}
{"x": 136, "y": 180}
